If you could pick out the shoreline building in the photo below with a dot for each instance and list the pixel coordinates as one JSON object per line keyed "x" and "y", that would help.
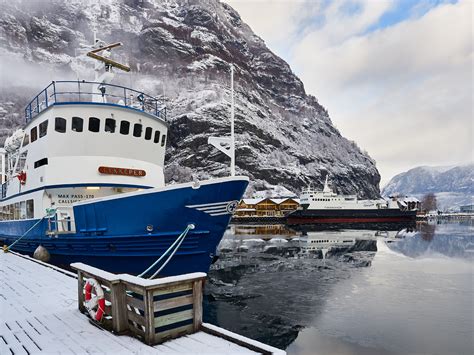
{"x": 266, "y": 207}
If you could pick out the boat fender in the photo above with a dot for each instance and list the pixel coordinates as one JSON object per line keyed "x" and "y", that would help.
{"x": 41, "y": 254}
{"x": 95, "y": 305}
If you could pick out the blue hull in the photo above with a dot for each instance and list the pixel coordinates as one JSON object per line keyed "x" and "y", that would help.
{"x": 114, "y": 234}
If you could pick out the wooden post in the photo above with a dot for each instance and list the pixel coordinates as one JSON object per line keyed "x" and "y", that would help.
{"x": 119, "y": 307}
{"x": 197, "y": 304}
{"x": 149, "y": 317}
{"x": 80, "y": 294}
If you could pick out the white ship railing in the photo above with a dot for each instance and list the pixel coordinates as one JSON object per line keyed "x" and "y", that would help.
{"x": 71, "y": 92}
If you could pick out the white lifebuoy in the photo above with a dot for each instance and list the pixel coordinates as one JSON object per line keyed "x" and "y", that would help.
{"x": 95, "y": 305}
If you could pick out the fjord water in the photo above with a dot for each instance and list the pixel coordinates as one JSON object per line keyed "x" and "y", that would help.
{"x": 370, "y": 292}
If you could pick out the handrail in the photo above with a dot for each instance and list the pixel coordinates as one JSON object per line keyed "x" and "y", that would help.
{"x": 82, "y": 91}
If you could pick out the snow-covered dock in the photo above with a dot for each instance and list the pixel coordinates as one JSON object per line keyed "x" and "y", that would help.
{"x": 39, "y": 313}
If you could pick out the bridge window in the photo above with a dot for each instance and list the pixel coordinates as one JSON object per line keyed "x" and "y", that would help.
{"x": 137, "y": 130}
{"x": 60, "y": 124}
{"x": 41, "y": 162}
{"x": 148, "y": 133}
{"x": 124, "y": 127}
{"x": 43, "y": 128}
{"x": 34, "y": 134}
{"x": 94, "y": 124}
{"x": 163, "y": 140}
{"x": 77, "y": 124}
{"x": 110, "y": 125}
{"x": 157, "y": 137}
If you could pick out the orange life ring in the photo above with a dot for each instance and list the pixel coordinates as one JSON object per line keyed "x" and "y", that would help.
{"x": 95, "y": 305}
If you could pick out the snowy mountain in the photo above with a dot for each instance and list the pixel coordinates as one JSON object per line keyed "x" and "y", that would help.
{"x": 183, "y": 48}
{"x": 453, "y": 186}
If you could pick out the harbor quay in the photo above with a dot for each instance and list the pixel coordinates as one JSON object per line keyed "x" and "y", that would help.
{"x": 44, "y": 310}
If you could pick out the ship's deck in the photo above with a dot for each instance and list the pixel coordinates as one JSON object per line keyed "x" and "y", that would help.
{"x": 38, "y": 312}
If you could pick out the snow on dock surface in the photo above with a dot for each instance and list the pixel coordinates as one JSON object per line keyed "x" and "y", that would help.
{"x": 38, "y": 313}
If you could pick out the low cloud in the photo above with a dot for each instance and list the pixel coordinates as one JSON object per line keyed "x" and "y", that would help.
{"x": 402, "y": 92}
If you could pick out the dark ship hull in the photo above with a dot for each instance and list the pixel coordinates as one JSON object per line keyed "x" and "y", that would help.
{"x": 350, "y": 216}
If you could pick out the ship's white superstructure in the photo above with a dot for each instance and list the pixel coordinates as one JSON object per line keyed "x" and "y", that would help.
{"x": 327, "y": 199}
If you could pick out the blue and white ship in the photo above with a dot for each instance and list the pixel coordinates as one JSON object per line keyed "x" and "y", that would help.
{"x": 84, "y": 179}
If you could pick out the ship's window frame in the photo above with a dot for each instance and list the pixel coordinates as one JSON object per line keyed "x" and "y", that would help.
{"x": 60, "y": 124}
{"x": 30, "y": 209}
{"x": 94, "y": 124}
{"x": 137, "y": 130}
{"x": 124, "y": 127}
{"x": 16, "y": 211}
{"x": 163, "y": 140}
{"x": 26, "y": 140}
{"x": 110, "y": 125}
{"x": 43, "y": 129}
{"x": 77, "y": 124}
{"x": 41, "y": 162}
{"x": 22, "y": 209}
{"x": 148, "y": 133}
{"x": 34, "y": 134}
{"x": 156, "y": 139}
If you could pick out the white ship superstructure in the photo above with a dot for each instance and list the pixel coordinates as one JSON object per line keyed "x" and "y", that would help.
{"x": 84, "y": 178}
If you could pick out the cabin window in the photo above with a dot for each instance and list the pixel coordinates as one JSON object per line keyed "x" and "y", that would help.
{"x": 60, "y": 125}
{"x": 110, "y": 125}
{"x": 26, "y": 140}
{"x": 157, "y": 137}
{"x": 94, "y": 124}
{"x": 77, "y": 124}
{"x": 124, "y": 127}
{"x": 16, "y": 210}
{"x": 34, "y": 134}
{"x": 30, "y": 209}
{"x": 41, "y": 162}
{"x": 43, "y": 128}
{"x": 148, "y": 133}
{"x": 163, "y": 140}
{"x": 137, "y": 130}
{"x": 23, "y": 210}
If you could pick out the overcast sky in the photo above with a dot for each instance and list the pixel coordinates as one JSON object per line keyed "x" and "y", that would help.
{"x": 395, "y": 76}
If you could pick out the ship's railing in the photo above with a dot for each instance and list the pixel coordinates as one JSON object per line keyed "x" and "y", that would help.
{"x": 93, "y": 92}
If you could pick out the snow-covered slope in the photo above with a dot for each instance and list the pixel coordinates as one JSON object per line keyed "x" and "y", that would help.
{"x": 453, "y": 186}
{"x": 183, "y": 48}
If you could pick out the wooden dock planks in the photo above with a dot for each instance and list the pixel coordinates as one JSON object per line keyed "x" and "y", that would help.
{"x": 38, "y": 314}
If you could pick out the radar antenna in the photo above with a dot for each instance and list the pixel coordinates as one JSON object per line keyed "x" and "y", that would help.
{"x": 104, "y": 57}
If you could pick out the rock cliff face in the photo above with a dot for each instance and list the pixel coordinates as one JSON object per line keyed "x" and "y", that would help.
{"x": 183, "y": 48}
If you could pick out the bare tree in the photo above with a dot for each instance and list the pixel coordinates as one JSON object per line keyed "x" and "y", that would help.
{"x": 429, "y": 203}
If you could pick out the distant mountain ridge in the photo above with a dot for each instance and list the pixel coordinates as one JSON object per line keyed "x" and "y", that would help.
{"x": 453, "y": 185}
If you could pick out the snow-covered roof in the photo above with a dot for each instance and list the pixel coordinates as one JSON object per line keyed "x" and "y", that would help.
{"x": 252, "y": 201}
{"x": 410, "y": 199}
{"x": 245, "y": 210}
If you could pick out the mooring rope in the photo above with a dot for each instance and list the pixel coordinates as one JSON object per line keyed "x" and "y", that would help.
{"x": 176, "y": 243}
{"x": 49, "y": 213}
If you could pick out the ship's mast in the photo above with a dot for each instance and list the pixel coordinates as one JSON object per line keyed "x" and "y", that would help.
{"x": 3, "y": 172}
{"x": 227, "y": 144}
{"x": 232, "y": 109}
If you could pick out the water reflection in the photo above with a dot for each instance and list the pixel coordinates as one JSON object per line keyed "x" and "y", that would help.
{"x": 270, "y": 282}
